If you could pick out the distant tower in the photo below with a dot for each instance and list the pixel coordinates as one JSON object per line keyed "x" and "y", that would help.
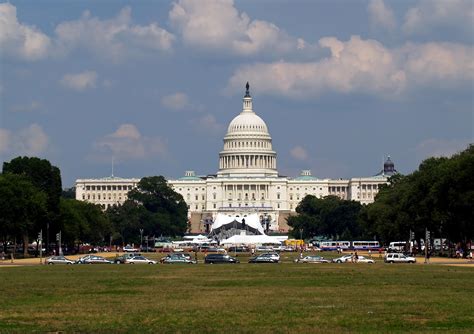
{"x": 388, "y": 168}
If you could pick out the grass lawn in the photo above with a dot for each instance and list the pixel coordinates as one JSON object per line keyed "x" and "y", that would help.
{"x": 242, "y": 298}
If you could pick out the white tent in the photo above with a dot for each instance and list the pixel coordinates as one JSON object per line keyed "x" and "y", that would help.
{"x": 251, "y": 220}
{"x": 250, "y": 240}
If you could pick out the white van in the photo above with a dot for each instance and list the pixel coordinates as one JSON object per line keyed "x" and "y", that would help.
{"x": 397, "y": 246}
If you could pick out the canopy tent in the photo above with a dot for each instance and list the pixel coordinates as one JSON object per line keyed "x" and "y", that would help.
{"x": 250, "y": 240}
{"x": 249, "y": 222}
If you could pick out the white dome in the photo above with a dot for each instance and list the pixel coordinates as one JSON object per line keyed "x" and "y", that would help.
{"x": 247, "y": 122}
{"x": 247, "y": 148}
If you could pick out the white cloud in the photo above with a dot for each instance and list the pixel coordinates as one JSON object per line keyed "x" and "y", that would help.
{"x": 30, "y": 107}
{"x": 299, "y": 153}
{"x": 362, "y": 66}
{"x": 27, "y": 141}
{"x": 213, "y": 24}
{"x": 80, "y": 81}
{"x": 127, "y": 143}
{"x": 207, "y": 124}
{"x": 20, "y": 40}
{"x": 113, "y": 39}
{"x": 429, "y": 14}
{"x": 435, "y": 147}
{"x": 443, "y": 63}
{"x": 177, "y": 101}
{"x": 380, "y": 15}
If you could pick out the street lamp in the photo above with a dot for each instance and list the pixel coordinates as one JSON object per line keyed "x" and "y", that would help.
{"x": 141, "y": 238}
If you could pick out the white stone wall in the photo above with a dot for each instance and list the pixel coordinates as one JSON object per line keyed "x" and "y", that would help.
{"x": 105, "y": 191}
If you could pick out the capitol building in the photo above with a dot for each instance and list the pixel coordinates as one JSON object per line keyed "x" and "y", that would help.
{"x": 246, "y": 183}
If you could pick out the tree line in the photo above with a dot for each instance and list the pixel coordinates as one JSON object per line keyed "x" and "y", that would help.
{"x": 32, "y": 200}
{"x": 438, "y": 196}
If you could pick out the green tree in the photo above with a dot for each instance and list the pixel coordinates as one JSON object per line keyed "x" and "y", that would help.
{"x": 152, "y": 206}
{"x": 439, "y": 196}
{"x": 82, "y": 222}
{"x": 44, "y": 177}
{"x": 22, "y": 207}
{"x": 330, "y": 217}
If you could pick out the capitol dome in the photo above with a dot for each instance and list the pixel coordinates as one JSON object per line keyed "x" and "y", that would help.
{"x": 247, "y": 145}
{"x": 247, "y": 122}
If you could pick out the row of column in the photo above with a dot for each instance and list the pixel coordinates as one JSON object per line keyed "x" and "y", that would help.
{"x": 247, "y": 161}
{"x": 231, "y": 188}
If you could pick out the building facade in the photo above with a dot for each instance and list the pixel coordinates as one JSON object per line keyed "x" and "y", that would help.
{"x": 246, "y": 182}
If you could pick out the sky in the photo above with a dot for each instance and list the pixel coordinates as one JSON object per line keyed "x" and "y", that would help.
{"x": 153, "y": 85}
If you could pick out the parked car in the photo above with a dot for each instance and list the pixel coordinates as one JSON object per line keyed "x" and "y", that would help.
{"x": 220, "y": 258}
{"x": 363, "y": 259}
{"x": 238, "y": 249}
{"x": 266, "y": 258}
{"x": 311, "y": 259}
{"x": 264, "y": 248}
{"x": 139, "y": 260}
{"x": 398, "y": 258}
{"x": 59, "y": 260}
{"x": 122, "y": 258}
{"x": 92, "y": 259}
{"x": 176, "y": 258}
{"x": 343, "y": 259}
{"x": 130, "y": 249}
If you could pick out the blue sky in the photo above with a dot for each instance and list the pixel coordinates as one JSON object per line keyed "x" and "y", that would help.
{"x": 154, "y": 84}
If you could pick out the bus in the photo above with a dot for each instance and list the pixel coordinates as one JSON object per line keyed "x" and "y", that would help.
{"x": 365, "y": 245}
{"x": 334, "y": 245}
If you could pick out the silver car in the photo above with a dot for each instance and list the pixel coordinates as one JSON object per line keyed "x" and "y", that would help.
{"x": 92, "y": 259}
{"x": 139, "y": 260}
{"x": 311, "y": 259}
{"x": 58, "y": 260}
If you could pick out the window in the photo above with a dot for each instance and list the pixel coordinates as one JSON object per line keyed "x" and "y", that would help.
{"x": 214, "y": 196}
{"x": 278, "y": 196}
{"x": 88, "y": 187}
{"x": 196, "y": 197}
{"x": 93, "y": 187}
{"x": 203, "y": 197}
{"x": 214, "y": 205}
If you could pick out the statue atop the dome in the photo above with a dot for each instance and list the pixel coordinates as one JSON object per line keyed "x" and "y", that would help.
{"x": 247, "y": 93}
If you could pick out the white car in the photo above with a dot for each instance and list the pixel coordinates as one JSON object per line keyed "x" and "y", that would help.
{"x": 363, "y": 259}
{"x": 139, "y": 260}
{"x": 398, "y": 258}
{"x": 343, "y": 259}
{"x": 130, "y": 249}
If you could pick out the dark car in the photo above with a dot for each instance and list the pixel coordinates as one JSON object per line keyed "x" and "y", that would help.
{"x": 220, "y": 258}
